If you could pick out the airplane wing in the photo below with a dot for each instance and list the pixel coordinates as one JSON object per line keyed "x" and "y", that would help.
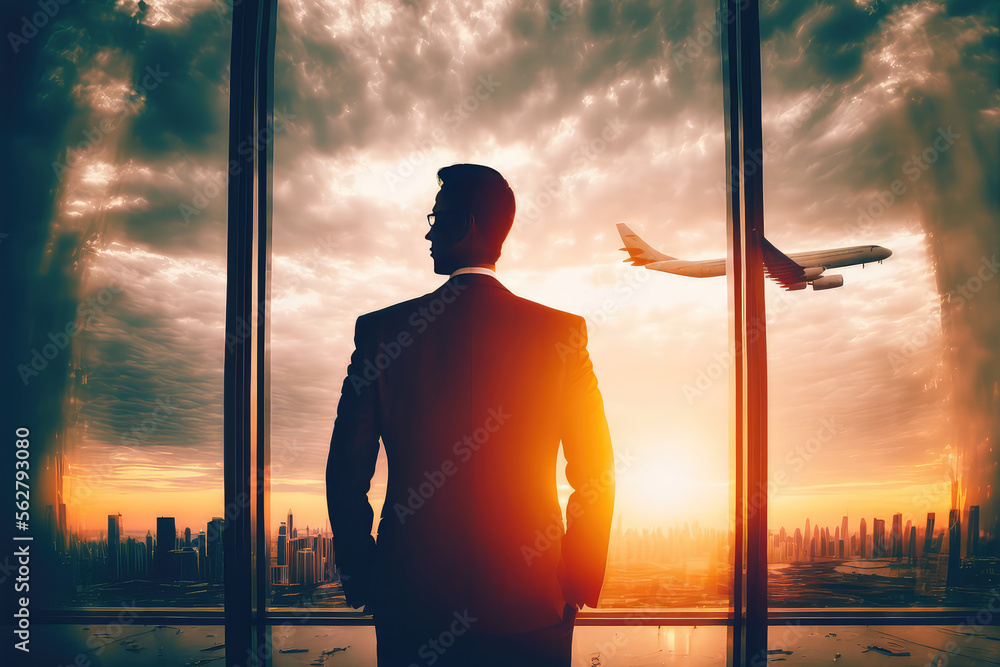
{"x": 780, "y": 268}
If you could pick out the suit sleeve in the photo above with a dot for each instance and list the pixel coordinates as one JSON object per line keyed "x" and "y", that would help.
{"x": 590, "y": 470}
{"x": 350, "y": 466}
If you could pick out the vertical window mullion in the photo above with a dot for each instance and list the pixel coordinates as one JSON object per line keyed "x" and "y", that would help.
{"x": 734, "y": 273}
{"x": 246, "y": 399}
{"x": 748, "y": 377}
{"x": 265, "y": 162}
{"x": 755, "y": 334}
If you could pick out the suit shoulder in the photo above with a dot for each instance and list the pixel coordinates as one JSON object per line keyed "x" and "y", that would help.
{"x": 554, "y": 315}
{"x": 391, "y": 312}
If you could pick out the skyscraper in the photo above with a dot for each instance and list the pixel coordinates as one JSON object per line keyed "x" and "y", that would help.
{"x": 61, "y": 537}
{"x": 972, "y": 546}
{"x": 282, "y": 544}
{"x": 897, "y": 536}
{"x": 929, "y": 534}
{"x": 863, "y": 539}
{"x": 954, "y": 545}
{"x": 844, "y": 536}
{"x": 213, "y": 550}
{"x": 114, "y": 547}
{"x": 201, "y": 545}
{"x": 878, "y": 538}
{"x": 305, "y": 566}
{"x": 166, "y": 541}
{"x": 187, "y": 537}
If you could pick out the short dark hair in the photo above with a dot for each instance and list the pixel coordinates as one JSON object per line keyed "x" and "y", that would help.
{"x": 486, "y": 194}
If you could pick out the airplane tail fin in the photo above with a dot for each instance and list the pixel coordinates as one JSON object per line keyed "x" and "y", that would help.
{"x": 640, "y": 253}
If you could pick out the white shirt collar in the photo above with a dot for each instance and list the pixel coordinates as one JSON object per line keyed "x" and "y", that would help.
{"x": 473, "y": 269}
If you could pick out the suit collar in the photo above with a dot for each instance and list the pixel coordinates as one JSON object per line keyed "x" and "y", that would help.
{"x": 475, "y": 280}
{"x": 474, "y": 269}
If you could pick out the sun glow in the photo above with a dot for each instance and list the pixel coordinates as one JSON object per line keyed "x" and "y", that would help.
{"x": 663, "y": 483}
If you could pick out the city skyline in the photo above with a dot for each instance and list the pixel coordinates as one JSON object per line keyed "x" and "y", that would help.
{"x": 564, "y": 490}
{"x": 879, "y": 393}
{"x": 921, "y": 562}
{"x": 897, "y": 529}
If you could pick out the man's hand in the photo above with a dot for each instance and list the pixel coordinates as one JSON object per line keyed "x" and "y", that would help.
{"x": 572, "y": 597}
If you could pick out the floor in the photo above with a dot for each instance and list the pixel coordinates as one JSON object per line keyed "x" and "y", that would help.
{"x": 131, "y": 644}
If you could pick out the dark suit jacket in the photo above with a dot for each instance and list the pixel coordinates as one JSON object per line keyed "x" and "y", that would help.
{"x": 471, "y": 390}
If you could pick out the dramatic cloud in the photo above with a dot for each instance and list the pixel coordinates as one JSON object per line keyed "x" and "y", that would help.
{"x": 596, "y": 114}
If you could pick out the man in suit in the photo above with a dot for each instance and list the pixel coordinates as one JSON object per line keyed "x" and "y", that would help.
{"x": 471, "y": 389}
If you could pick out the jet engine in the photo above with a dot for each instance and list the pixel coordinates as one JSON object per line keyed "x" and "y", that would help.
{"x": 828, "y": 282}
{"x": 813, "y": 272}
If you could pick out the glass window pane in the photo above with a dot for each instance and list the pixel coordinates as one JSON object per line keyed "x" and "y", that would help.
{"x": 125, "y": 642}
{"x": 592, "y": 125}
{"x": 607, "y": 646}
{"x": 964, "y": 645}
{"x": 883, "y": 413}
{"x": 121, "y": 270}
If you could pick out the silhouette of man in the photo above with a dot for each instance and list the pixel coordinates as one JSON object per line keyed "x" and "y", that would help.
{"x": 471, "y": 390}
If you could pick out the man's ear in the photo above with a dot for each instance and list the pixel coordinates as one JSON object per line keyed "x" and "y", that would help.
{"x": 463, "y": 226}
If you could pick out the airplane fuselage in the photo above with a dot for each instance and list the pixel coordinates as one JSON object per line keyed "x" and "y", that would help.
{"x": 818, "y": 259}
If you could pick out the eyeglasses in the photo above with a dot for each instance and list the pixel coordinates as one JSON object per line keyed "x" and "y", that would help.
{"x": 433, "y": 217}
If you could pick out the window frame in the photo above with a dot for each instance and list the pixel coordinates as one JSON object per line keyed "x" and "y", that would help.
{"x": 246, "y": 614}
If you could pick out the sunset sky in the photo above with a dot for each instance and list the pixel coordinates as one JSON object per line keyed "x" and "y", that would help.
{"x": 595, "y": 115}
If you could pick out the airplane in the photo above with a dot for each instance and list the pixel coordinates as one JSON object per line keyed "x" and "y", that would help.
{"x": 792, "y": 272}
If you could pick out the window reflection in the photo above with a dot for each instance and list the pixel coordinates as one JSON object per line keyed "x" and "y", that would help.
{"x": 592, "y": 126}
{"x": 883, "y": 465}
{"x": 123, "y": 267}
